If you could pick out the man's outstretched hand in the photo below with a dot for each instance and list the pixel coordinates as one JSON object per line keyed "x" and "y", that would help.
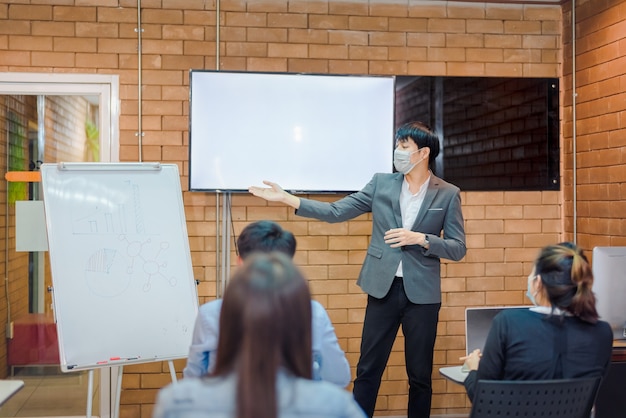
{"x": 275, "y": 193}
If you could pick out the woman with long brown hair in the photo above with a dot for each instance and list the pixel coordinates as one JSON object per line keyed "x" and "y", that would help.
{"x": 263, "y": 367}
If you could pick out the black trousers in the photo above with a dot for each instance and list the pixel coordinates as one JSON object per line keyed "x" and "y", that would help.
{"x": 383, "y": 318}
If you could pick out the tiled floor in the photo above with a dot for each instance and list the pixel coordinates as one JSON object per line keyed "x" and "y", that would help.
{"x": 51, "y": 393}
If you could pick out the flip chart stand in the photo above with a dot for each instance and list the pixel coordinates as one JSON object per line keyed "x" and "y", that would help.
{"x": 118, "y": 389}
{"x": 89, "y": 393}
{"x": 119, "y": 250}
{"x": 223, "y": 239}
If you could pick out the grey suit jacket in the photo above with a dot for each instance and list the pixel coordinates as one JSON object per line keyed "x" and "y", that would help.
{"x": 440, "y": 212}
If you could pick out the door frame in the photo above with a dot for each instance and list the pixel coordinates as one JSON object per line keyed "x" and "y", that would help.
{"x": 106, "y": 87}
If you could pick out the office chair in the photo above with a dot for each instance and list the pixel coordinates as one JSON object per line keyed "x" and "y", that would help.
{"x": 566, "y": 398}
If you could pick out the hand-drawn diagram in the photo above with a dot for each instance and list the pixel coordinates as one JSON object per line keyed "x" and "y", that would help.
{"x": 150, "y": 266}
{"x": 103, "y": 276}
{"x": 110, "y": 270}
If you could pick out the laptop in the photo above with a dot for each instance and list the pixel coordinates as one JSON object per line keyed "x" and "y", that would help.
{"x": 477, "y": 324}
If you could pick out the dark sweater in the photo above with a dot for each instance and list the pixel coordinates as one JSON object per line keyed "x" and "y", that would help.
{"x": 527, "y": 345}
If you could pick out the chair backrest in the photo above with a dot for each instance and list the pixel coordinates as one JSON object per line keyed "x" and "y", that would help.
{"x": 566, "y": 398}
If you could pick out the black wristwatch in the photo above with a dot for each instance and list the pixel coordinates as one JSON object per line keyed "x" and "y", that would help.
{"x": 426, "y": 241}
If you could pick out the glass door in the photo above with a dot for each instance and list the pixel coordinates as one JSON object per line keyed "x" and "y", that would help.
{"x": 45, "y": 123}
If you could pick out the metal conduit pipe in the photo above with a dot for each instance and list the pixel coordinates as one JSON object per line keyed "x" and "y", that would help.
{"x": 139, "y": 133}
{"x": 217, "y": 35}
{"x": 220, "y": 246}
{"x": 574, "y": 177}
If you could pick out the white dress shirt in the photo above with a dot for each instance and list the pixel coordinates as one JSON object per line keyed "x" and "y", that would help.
{"x": 410, "y": 205}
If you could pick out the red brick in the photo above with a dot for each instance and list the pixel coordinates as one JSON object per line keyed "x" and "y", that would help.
{"x": 16, "y": 28}
{"x": 328, "y": 22}
{"x": 313, "y": 36}
{"x": 446, "y": 25}
{"x": 72, "y": 44}
{"x": 74, "y": 14}
{"x": 30, "y": 12}
{"x": 246, "y": 19}
{"x": 357, "y": 52}
{"x": 287, "y": 20}
{"x": 183, "y": 32}
{"x": 368, "y": 23}
{"x": 165, "y": 17}
{"x": 328, "y": 51}
{"x": 53, "y": 59}
{"x": 305, "y": 65}
{"x": 287, "y": 50}
{"x": 522, "y": 27}
{"x": 96, "y": 30}
{"x": 33, "y": 43}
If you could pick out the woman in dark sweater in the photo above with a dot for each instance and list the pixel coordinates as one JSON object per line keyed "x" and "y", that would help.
{"x": 560, "y": 337}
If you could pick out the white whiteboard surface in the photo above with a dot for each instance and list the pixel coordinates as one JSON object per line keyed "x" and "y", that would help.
{"x": 309, "y": 133}
{"x": 123, "y": 285}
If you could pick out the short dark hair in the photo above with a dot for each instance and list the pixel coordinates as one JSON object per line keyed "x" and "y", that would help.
{"x": 265, "y": 236}
{"x": 423, "y": 136}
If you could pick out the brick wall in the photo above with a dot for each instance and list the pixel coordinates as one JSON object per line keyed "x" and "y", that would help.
{"x": 600, "y": 123}
{"x": 504, "y": 229}
{"x": 65, "y": 125}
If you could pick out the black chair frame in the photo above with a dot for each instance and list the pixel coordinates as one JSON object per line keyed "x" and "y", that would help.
{"x": 563, "y": 398}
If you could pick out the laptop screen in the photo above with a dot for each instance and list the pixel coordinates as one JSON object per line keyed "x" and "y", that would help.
{"x": 477, "y": 324}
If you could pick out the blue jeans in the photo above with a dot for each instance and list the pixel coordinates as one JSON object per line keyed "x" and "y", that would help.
{"x": 383, "y": 318}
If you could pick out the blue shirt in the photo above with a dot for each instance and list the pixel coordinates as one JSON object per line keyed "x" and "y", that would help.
{"x": 330, "y": 363}
{"x": 215, "y": 397}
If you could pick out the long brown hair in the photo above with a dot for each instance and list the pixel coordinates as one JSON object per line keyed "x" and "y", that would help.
{"x": 568, "y": 278}
{"x": 265, "y": 325}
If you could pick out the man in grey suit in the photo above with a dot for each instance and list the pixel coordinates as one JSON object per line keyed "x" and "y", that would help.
{"x": 416, "y": 221}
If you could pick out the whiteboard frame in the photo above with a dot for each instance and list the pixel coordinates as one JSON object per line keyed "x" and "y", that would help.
{"x": 165, "y": 224}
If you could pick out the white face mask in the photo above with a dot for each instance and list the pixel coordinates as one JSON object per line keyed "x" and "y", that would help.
{"x": 529, "y": 290}
{"x": 402, "y": 160}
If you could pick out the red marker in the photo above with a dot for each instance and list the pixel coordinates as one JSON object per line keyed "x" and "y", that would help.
{"x": 114, "y": 358}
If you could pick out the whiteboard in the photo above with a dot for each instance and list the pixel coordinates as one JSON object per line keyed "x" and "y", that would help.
{"x": 123, "y": 285}
{"x": 307, "y": 132}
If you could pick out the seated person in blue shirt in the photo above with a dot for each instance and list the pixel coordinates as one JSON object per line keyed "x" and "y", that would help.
{"x": 329, "y": 360}
{"x": 263, "y": 366}
{"x": 559, "y": 338}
